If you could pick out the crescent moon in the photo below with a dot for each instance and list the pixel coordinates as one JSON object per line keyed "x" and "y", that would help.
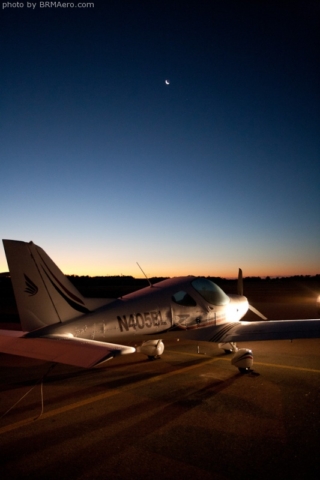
{"x": 167, "y": 82}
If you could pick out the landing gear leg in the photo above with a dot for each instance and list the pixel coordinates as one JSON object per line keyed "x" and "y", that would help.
{"x": 228, "y": 348}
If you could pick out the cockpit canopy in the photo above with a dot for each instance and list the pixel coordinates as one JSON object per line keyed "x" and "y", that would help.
{"x": 183, "y": 298}
{"x": 210, "y": 291}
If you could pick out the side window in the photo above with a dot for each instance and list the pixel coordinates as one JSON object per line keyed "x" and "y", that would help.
{"x": 183, "y": 298}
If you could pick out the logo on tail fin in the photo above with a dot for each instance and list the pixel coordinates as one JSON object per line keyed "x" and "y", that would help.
{"x": 31, "y": 288}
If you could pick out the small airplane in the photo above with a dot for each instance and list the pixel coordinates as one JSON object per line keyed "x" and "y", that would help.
{"x": 60, "y": 325}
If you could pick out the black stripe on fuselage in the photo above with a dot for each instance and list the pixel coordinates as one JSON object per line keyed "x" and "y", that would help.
{"x": 221, "y": 332}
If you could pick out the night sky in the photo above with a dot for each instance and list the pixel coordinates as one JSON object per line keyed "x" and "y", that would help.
{"x": 103, "y": 164}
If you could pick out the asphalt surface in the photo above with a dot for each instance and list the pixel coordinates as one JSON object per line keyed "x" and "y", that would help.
{"x": 188, "y": 415}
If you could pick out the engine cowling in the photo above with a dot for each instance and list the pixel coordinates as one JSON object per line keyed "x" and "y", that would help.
{"x": 152, "y": 348}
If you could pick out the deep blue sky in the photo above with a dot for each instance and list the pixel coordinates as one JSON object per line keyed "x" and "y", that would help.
{"x": 103, "y": 165}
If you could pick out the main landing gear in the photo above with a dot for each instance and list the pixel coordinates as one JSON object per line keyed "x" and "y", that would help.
{"x": 152, "y": 348}
{"x": 243, "y": 358}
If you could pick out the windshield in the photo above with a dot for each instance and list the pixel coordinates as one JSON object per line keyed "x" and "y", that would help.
{"x": 210, "y": 291}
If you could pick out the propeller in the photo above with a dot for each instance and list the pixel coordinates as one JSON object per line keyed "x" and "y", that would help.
{"x": 254, "y": 310}
{"x": 240, "y": 292}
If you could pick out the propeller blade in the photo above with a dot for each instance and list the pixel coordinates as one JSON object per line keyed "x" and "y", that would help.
{"x": 254, "y": 310}
{"x": 240, "y": 292}
{"x": 240, "y": 282}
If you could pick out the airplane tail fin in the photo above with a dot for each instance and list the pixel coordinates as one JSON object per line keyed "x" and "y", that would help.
{"x": 43, "y": 293}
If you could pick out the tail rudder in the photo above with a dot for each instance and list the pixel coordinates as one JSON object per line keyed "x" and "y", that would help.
{"x": 43, "y": 293}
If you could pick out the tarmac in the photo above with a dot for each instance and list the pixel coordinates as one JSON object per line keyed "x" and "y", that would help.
{"x": 190, "y": 414}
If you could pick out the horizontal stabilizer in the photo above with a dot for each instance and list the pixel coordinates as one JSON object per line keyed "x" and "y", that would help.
{"x": 61, "y": 349}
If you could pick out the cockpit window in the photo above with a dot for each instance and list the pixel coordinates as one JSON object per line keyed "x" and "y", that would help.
{"x": 183, "y": 298}
{"x": 210, "y": 291}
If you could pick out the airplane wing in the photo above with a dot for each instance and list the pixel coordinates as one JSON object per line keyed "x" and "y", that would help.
{"x": 252, "y": 331}
{"x": 61, "y": 349}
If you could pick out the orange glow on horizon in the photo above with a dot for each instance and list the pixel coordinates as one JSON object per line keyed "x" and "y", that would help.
{"x": 262, "y": 270}
{"x": 161, "y": 272}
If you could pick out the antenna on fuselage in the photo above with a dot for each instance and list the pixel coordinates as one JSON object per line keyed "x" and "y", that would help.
{"x": 144, "y": 274}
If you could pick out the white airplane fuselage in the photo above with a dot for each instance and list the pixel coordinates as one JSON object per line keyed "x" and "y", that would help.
{"x": 151, "y": 311}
